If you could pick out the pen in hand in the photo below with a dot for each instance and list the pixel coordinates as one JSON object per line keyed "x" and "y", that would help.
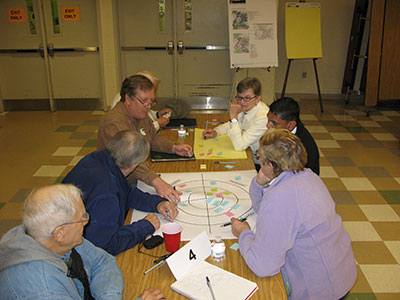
{"x": 204, "y": 137}
{"x": 230, "y": 223}
{"x": 210, "y": 287}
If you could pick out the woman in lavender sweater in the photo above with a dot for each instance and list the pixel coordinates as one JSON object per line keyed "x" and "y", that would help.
{"x": 298, "y": 231}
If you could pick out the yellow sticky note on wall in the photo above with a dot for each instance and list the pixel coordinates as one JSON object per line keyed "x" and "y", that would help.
{"x": 303, "y": 30}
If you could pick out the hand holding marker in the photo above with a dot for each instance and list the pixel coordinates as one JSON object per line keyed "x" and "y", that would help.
{"x": 241, "y": 219}
{"x": 230, "y": 223}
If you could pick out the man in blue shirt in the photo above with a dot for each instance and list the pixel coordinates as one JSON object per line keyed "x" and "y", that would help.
{"x": 40, "y": 259}
{"x": 101, "y": 175}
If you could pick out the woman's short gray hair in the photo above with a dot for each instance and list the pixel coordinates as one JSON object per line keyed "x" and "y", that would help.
{"x": 128, "y": 148}
{"x": 47, "y": 207}
{"x": 283, "y": 149}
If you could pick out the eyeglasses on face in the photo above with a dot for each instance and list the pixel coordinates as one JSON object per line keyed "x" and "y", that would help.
{"x": 245, "y": 99}
{"x": 85, "y": 218}
{"x": 146, "y": 101}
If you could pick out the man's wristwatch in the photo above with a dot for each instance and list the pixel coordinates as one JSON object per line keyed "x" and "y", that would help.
{"x": 233, "y": 120}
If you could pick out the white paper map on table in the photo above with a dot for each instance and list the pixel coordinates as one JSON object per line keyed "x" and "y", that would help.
{"x": 208, "y": 201}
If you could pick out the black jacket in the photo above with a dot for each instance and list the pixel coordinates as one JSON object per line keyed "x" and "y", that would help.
{"x": 311, "y": 147}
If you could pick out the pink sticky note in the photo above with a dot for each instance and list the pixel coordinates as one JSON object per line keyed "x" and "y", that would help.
{"x": 219, "y": 195}
{"x": 209, "y": 153}
{"x": 229, "y": 214}
{"x": 214, "y": 120}
{"x": 201, "y": 154}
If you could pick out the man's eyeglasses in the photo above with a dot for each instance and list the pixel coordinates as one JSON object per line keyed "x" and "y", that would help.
{"x": 85, "y": 218}
{"x": 245, "y": 99}
{"x": 144, "y": 102}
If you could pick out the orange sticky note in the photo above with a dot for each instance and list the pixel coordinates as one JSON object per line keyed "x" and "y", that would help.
{"x": 16, "y": 15}
{"x": 71, "y": 13}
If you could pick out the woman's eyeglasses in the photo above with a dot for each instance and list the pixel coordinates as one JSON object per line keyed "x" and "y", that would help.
{"x": 245, "y": 99}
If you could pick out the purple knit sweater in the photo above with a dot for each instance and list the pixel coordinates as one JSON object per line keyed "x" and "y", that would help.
{"x": 299, "y": 231}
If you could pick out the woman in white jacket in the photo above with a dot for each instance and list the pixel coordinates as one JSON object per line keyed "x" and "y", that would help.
{"x": 248, "y": 118}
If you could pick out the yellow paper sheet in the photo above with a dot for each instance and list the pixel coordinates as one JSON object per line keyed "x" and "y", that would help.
{"x": 303, "y": 30}
{"x": 218, "y": 148}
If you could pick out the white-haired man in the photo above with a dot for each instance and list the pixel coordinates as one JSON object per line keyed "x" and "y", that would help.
{"x": 108, "y": 196}
{"x": 47, "y": 258}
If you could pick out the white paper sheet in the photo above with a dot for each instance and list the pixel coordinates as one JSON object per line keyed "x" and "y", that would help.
{"x": 208, "y": 201}
{"x": 189, "y": 256}
{"x": 225, "y": 285}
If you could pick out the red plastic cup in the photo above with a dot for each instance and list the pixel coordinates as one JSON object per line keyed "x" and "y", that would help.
{"x": 172, "y": 236}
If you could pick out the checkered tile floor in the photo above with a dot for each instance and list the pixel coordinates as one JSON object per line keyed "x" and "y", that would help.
{"x": 360, "y": 164}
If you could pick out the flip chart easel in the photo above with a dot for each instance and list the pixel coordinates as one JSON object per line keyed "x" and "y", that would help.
{"x": 303, "y": 37}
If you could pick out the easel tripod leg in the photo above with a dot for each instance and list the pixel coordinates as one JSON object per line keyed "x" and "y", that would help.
{"x": 316, "y": 78}
{"x": 286, "y": 78}
{"x": 347, "y": 95}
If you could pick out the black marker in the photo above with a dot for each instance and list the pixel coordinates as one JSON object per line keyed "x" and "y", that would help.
{"x": 230, "y": 223}
{"x": 164, "y": 257}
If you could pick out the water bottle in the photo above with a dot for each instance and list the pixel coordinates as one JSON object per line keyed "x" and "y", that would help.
{"x": 218, "y": 249}
{"x": 182, "y": 131}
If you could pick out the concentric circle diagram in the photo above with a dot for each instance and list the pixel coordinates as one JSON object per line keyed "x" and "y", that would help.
{"x": 208, "y": 201}
{"x": 212, "y": 202}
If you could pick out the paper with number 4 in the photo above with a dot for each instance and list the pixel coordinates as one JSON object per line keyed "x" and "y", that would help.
{"x": 189, "y": 255}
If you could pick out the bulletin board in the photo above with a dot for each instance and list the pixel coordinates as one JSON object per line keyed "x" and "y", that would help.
{"x": 303, "y": 30}
{"x": 253, "y": 41}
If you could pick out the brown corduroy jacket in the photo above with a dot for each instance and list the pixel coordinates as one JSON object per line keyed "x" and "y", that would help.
{"x": 117, "y": 120}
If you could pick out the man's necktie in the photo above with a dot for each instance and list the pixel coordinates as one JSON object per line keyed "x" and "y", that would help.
{"x": 76, "y": 270}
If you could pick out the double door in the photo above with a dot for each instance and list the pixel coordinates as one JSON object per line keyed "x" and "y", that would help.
{"x": 49, "y": 49}
{"x": 183, "y": 42}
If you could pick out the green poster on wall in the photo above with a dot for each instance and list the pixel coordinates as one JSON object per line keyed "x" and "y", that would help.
{"x": 31, "y": 17}
{"x": 56, "y": 18}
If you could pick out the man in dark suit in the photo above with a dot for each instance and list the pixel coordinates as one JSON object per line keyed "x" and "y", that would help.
{"x": 285, "y": 113}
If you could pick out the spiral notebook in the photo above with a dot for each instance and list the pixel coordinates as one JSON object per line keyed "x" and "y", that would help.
{"x": 190, "y": 269}
{"x": 225, "y": 285}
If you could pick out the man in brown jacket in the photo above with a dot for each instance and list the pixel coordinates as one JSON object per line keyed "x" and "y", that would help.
{"x": 137, "y": 95}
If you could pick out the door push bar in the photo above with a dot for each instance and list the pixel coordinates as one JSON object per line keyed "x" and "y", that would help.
{"x": 170, "y": 48}
{"x": 50, "y": 49}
